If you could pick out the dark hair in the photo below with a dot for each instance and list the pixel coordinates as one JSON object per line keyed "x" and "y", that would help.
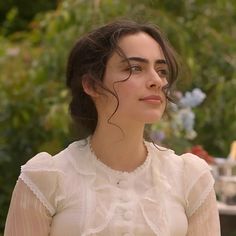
{"x": 88, "y": 58}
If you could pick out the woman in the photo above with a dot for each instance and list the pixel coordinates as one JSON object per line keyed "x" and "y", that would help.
{"x": 112, "y": 181}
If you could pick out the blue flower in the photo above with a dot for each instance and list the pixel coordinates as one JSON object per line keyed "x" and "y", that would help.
{"x": 187, "y": 117}
{"x": 192, "y": 99}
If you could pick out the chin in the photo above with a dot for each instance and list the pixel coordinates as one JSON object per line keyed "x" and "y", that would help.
{"x": 152, "y": 120}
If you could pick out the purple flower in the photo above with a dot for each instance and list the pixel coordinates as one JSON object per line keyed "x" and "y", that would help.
{"x": 157, "y": 135}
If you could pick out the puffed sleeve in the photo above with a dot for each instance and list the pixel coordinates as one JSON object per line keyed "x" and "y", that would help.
{"x": 36, "y": 196}
{"x": 201, "y": 205}
{"x": 44, "y": 179}
{"x": 198, "y": 182}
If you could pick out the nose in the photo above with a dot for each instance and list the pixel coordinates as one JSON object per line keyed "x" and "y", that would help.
{"x": 154, "y": 80}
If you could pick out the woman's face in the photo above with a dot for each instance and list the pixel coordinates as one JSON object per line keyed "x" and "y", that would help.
{"x": 141, "y": 98}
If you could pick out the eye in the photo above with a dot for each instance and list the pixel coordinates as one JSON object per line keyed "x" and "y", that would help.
{"x": 135, "y": 68}
{"x": 163, "y": 73}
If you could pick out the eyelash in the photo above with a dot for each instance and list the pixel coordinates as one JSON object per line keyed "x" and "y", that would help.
{"x": 136, "y": 68}
{"x": 163, "y": 73}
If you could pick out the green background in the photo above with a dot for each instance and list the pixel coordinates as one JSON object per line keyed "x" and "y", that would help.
{"x": 34, "y": 44}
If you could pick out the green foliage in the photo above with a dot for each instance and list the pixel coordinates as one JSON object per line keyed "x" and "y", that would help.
{"x": 33, "y": 98}
{"x": 16, "y": 15}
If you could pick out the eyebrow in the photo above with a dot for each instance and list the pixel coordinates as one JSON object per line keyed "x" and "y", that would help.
{"x": 143, "y": 60}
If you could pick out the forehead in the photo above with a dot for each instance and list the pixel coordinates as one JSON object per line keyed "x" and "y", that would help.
{"x": 142, "y": 45}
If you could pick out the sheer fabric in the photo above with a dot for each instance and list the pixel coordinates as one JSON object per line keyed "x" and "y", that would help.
{"x": 205, "y": 221}
{"x": 27, "y": 215}
{"x": 73, "y": 193}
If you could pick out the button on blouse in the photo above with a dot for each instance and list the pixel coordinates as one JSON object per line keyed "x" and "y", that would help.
{"x": 128, "y": 215}
{"x": 85, "y": 197}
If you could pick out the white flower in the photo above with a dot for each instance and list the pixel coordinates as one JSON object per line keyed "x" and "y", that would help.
{"x": 190, "y": 135}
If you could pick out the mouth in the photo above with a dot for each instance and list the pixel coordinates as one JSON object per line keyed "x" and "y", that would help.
{"x": 153, "y": 99}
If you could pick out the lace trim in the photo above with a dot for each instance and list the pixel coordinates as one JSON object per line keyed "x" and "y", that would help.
{"x": 37, "y": 193}
{"x": 203, "y": 197}
{"x": 31, "y": 169}
{"x": 84, "y": 160}
{"x": 111, "y": 171}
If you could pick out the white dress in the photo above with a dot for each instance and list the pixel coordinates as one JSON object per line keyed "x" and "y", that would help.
{"x": 75, "y": 194}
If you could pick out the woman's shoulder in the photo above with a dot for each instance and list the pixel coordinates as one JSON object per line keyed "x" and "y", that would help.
{"x": 50, "y": 177}
{"x": 194, "y": 163}
{"x": 59, "y": 162}
{"x": 187, "y": 174}
{"x": 187, "y": 162}
{"x": 192, "y": 169}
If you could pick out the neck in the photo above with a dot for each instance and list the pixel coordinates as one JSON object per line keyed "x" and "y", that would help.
{"x": 121, "y": 150}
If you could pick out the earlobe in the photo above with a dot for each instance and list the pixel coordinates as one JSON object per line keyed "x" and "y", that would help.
{"x": 88, "y": 87}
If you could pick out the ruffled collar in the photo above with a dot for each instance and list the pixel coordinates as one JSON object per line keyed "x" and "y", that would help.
{"x": 81, "y": 154}
{"x": 117, "y": 173}
{"x": 81, "y": 157}
{"x": 85, "y": 162}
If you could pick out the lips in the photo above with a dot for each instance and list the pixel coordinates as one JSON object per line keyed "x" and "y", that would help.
{"x": 152, "y": 98}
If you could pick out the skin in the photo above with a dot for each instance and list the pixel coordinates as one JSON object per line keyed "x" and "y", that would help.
{"x": 125, "y": 152}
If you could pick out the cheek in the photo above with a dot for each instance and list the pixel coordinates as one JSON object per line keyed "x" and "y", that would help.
{"x": 120, "y": 88}
{"x": 129, "y": 87}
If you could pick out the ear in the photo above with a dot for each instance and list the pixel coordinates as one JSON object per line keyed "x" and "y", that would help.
{"x": 89, "y": 87}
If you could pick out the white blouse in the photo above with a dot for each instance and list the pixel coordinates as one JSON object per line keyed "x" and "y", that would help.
{"x": 73, "y": 193}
